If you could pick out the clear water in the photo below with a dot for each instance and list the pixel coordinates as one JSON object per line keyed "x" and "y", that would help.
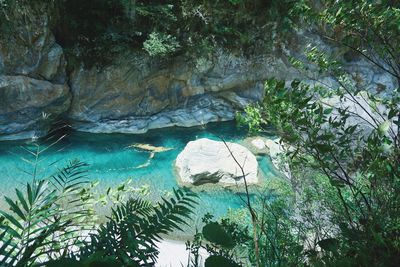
{"x": 111, "y": 162}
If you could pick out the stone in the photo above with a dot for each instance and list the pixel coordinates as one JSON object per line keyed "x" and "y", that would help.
{"x": 30, "y": 49}
{"x": 137, "y": 93}
{"x": 150, "y": 148}
{"x": 207, "y": 161}
{"x": 28, "y": 106}
{"x": 362, "y": 113}
{"x": 276, "y": 153}
{"x": 256, "y": 145}
{"x": 52, "y": 65}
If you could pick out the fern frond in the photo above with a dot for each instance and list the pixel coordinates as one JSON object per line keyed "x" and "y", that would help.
{"x": 131, "y": 234}
{"x": 41, "y": 218}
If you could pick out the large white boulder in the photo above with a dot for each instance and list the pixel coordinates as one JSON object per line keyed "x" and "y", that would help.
{"x": 208, "y": 161}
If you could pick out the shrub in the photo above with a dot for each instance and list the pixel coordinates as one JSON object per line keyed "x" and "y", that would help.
{"x": 160, "y": 44}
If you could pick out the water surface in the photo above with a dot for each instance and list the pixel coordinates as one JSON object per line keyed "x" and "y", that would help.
{"x": 111, "y": 161}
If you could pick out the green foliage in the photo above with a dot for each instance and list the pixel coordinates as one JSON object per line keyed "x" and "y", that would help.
{"x": 252, "y": 118}
{"x": 360, "y": 162}
{"x": 52, "y": 221}
{"x": 96, "y": 31}
{"x": 366, "y": 29}
{"x": 236, "y": 2}
{"x": 3, "y": 4}
{"x": 219, "y": 261}
{"x": 96, "y": 260}
{"x": 129, "y": 237}
{"x": 279, "y": 233}
{"x": 342, "y": 144}
{"x": 160, "y": 44}
{"x": 42, "y": 221}
{"x": 121, "y": 193}
{"x": 224, "y": 240}
{"x": 215, "y": 233}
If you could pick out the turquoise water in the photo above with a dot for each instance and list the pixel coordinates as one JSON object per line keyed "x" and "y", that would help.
{"x": 112, "y": 162}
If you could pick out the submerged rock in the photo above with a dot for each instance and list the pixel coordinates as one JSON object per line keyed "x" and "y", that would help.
{"x": 150, "y": 148}
{"x": 208, "y": 161}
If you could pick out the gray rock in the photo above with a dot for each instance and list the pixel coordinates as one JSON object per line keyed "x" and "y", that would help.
{"x": 208, "y": 161}
{"x": 256, "y": 144}
{"x": 363, "y": 112}
{"x": 52, "y": 65}
{"x": 277, "y": 155}
{"x": 30, "y": 48}
{"x": 28, "y": 106}
{"x": 138, "y": 93}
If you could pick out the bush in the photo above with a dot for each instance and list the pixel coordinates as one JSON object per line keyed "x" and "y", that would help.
{"x": 160, "y": 44}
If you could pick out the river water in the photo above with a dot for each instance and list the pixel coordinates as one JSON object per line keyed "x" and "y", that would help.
{"x": 111, "y": 162}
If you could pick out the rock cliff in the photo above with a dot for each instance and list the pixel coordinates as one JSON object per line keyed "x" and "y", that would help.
{"x": 136, "y": 92}
{"x": 27, "y": 105}
{"x": 33, "y": 89}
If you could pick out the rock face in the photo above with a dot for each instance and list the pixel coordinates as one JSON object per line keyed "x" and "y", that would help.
{"x": 208, "y": 161}
{"x": 137, "y": 92}
{"x": 33, "y": 92}
{"x": 30, "y": 48}
{"x": 27, "y": 105}
{"x": 362, "y": 114}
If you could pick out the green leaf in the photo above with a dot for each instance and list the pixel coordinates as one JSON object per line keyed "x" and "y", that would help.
{"x": 22, "y": 200}
{"x": 384, "y": 127}
{"x": 329, "y": 244}
{"x": 65, "y": 262}
{"x": 393, "y": 112}
{"x": 216, "y": 234}
{"x": 11, "y": 219}
{"x": 323, "y": 148}
{"x": 15, "y": 208}
{"x": 328, "y": 111}
{"x": 337, "y": 183}
{"x": 220, "y": 261}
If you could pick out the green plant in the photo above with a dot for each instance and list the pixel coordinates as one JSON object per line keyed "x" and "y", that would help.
{"x": 342, "y": 146}
{"x": 43, "y": 220}
{"x": 52, "y": 222}
{"x": 223, "y": 240}
{"x": 160, "y": 44}
{"x": 344, "y": 136}
{"x": 129, "y": 237}
{"x": 359, "y": 160}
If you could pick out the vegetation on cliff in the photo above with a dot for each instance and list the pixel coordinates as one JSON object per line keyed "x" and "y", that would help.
{"x": 96, "y": 30}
